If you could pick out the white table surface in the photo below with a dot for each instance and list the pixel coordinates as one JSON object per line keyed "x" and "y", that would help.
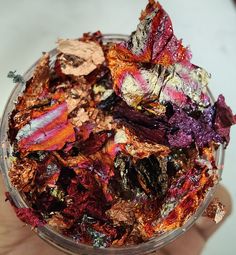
{"x": 28, "y": 27}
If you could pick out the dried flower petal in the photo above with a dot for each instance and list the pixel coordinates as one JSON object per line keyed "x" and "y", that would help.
{"x": 215, "y": 211}
{"x": 22, "y": 174}
{"x": 28, "y": 216}
{"x": 122, "y": 212}
{"x": 79, "y": 58}
{"x": 224, "y": 119}
{"x": 37, "y": 88}
{"x": 49, "y": 131}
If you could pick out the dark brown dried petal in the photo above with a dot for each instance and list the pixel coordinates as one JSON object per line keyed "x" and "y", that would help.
{"x": 124, "y": 182}
{"x": 152, "y": 176}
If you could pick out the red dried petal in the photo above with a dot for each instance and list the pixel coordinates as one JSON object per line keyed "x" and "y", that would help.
{"x": 48, "y": 173}
{"x": 28, "y": 216}
{"x": 95, "y": 142}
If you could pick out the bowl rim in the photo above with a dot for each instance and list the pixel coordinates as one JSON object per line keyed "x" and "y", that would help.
{"x": 67, "y": 244}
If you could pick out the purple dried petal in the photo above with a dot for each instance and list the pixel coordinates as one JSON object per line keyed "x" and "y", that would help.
{"x": 201, "y": 132}
{"x": 208, "y": 116}
{"x": 180, "y": 139}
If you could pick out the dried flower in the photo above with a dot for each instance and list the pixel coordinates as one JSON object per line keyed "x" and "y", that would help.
{"x": 116, "y": 142}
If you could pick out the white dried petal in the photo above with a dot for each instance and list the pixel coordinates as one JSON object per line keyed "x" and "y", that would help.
{"x": 120, "y": 136}
{"x": 106, "y": 94}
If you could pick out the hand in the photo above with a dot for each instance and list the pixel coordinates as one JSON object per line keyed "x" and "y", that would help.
{"x": 16, "y": 238}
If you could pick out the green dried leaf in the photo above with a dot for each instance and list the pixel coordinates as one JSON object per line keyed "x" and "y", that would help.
{"x": 17, "y": 78}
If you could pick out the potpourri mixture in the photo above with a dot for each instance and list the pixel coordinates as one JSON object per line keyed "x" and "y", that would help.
{"x": 114, "y": 143}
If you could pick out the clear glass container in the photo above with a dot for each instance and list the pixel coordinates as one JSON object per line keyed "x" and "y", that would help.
{"x": 66, "y": 244}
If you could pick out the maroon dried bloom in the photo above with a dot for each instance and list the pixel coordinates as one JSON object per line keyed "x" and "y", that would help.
{"x": 28, "y": 216}
{"x": 95, "y": 142}
{"x": 224, "y": 119}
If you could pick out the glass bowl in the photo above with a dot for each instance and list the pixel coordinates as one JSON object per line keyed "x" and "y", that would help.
{"x": 67, "y": 244}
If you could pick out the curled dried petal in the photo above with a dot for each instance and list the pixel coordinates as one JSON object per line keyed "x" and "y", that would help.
{"x": 50, "y": 130}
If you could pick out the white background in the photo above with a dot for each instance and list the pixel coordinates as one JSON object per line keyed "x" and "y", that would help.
{"x": 28, "y": 27}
